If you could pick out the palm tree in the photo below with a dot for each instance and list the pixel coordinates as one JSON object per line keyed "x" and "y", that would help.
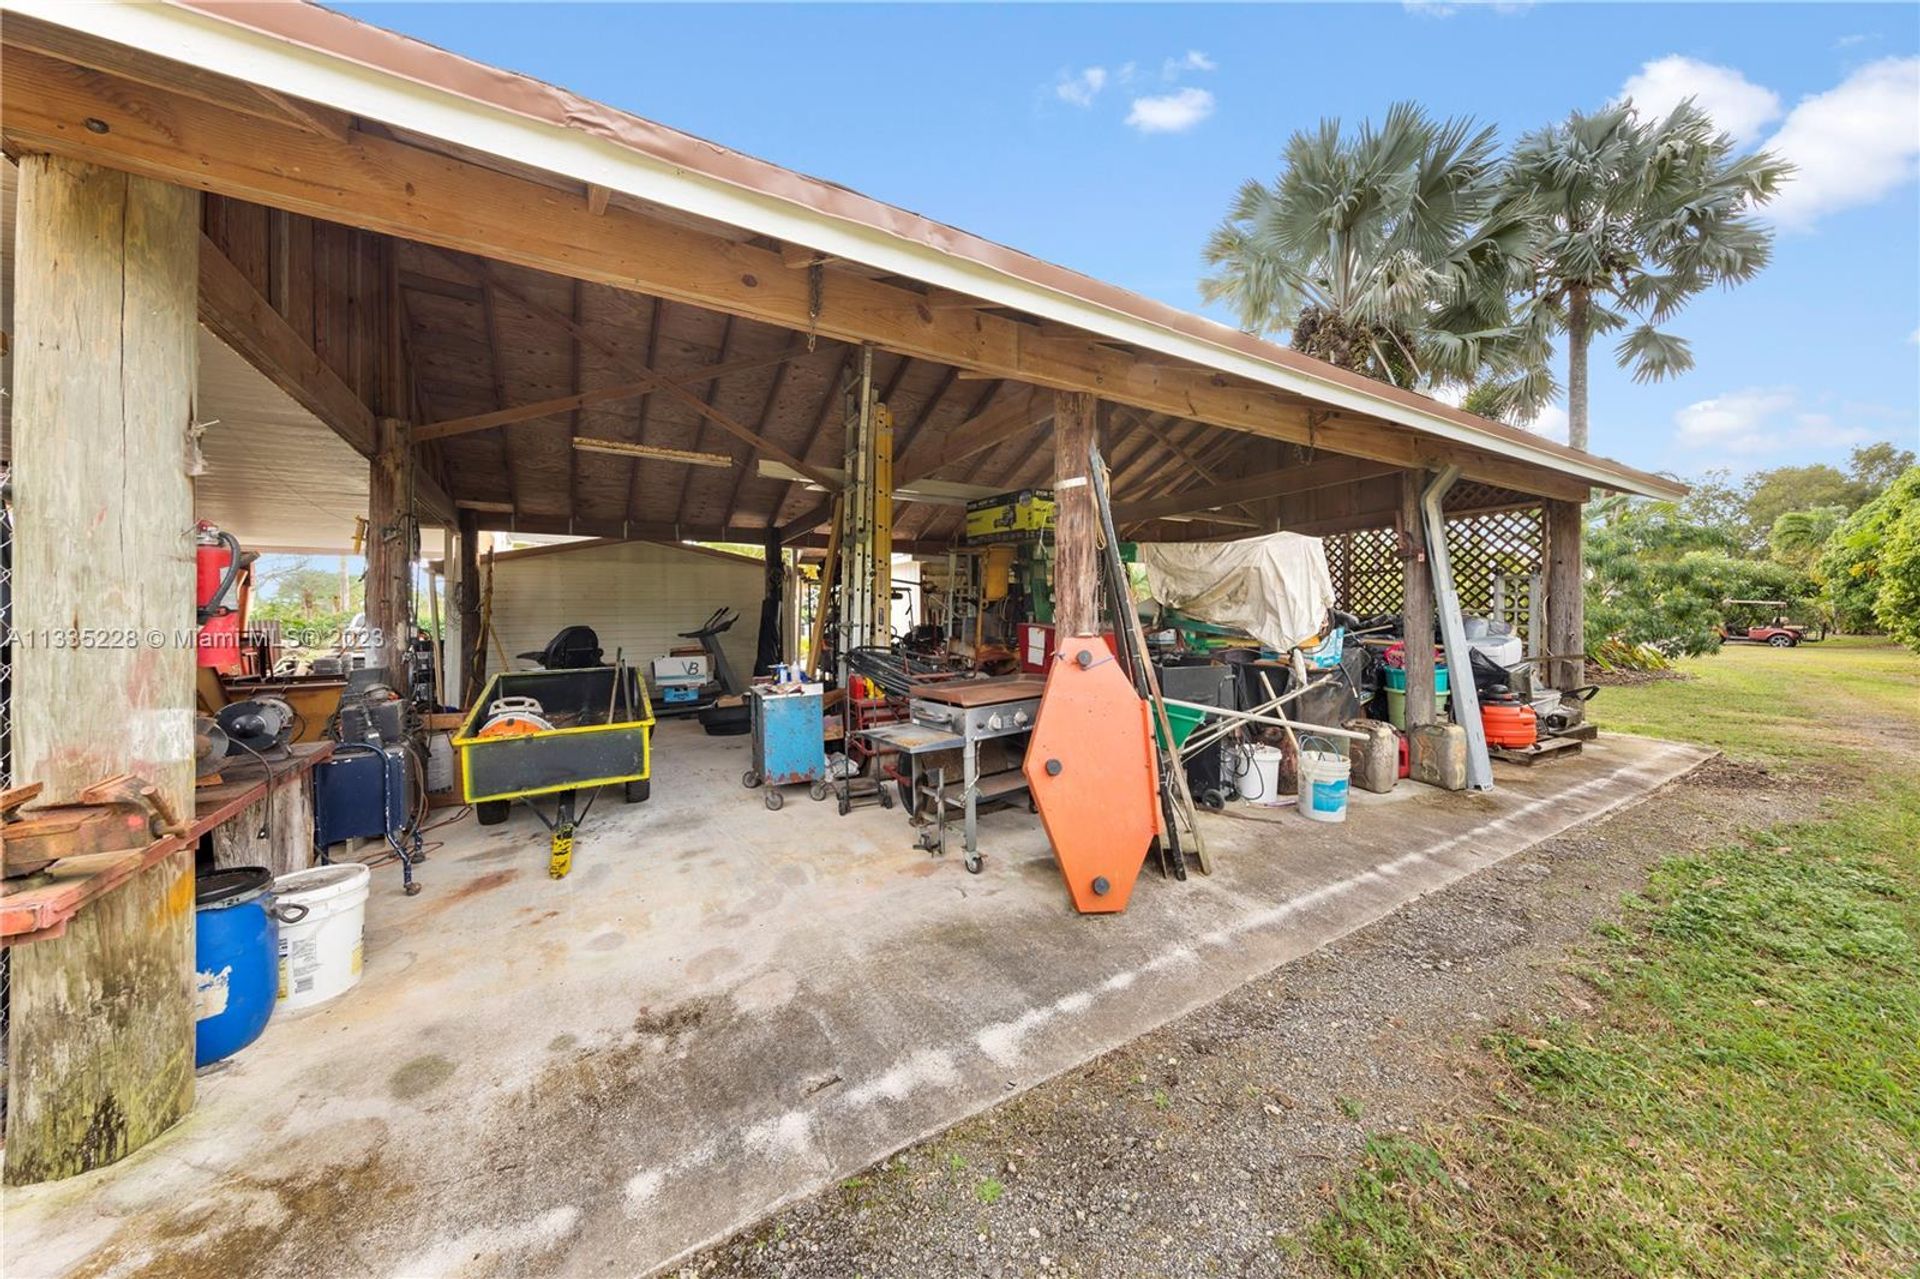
{"x": 1797, "y": 537}
{"x": 1391, "y": 252}
{"x": 1637, "y": 216}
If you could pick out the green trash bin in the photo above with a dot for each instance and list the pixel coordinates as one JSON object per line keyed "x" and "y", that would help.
{"x": 1183, "y": 720}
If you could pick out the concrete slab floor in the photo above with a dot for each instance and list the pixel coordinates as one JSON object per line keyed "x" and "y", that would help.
{"x": 723, "y": 1008}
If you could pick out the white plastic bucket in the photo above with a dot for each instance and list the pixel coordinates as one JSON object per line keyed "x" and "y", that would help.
{"x": 1323, "y": 786}
{"x": 1260, "y": 784}
{"x": 320, "y": 954}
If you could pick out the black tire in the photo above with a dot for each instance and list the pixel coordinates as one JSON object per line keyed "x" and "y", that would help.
{"x": 750, "y": 779}
{"x": 846, "y": 804}
{"x": 886, "y": 796}
{"x": 491, "y": 812}
{"x": 818, "y": 790}
{"x": 1780, "y": 641}
{"x": 975, "y": 865}
{"x": 774, "y": 800}
{"x": 637, "y": 792}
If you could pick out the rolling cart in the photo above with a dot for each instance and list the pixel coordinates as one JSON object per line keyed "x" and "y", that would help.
{"x": 789, "y": 740}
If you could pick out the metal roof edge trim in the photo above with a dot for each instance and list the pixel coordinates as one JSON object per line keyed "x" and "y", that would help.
{"x": 224, "y": 38}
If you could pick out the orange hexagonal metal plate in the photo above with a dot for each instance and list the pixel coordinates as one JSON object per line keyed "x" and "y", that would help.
{"x": 1091, "y": 770}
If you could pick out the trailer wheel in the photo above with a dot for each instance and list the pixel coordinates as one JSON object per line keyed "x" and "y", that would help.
{"x": 491, "y": 812}
{"x": 749, "y": 779}
{"x": 637, "y": 792}
{"x": 818, "y": 790}
{"x": 774, "y": 800}
{"x": 1780, "y": 641}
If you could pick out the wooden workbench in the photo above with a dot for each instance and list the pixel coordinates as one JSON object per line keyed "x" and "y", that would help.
{"x": 39, "y": 906}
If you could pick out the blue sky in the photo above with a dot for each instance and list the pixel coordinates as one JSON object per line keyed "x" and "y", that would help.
{"x": 1110, "y": 139}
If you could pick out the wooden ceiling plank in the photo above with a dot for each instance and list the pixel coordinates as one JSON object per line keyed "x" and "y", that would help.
{"x": 1329, "y": 472}
{"x": 727, "y": 327}
{"x": 643, "y": 413}
{"x": 1192, "y": 459}
{"x": 760, "y": 424}
{"x": 920, "y": 518}
{"x": 573, "y": 379}
{"x": 684, "y": 378}
{"x": 241, "y": 316}
{"x": 828, "y": 400}
{"x": 490, "y": 311}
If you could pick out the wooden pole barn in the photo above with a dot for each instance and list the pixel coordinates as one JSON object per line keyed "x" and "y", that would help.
{"x": 463, "y": 275}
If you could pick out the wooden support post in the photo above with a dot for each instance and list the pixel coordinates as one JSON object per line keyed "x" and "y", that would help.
{"x": 473, "y": 651}
{"x": 1566, "y": 595}
{"x": 1416, "y": 612}
{"x": 1076, "y": 562}
{"x": 100, "y": 1052}
{"x": 393, "y": 540}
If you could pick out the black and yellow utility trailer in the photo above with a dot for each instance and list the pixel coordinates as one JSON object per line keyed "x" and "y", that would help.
{"x": 535, "y": 734}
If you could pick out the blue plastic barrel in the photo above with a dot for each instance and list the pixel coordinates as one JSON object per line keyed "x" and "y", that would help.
{"x": 236, "y": 960}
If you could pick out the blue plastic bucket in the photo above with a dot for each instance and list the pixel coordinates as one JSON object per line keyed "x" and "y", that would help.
{"x": 236, "y": 960}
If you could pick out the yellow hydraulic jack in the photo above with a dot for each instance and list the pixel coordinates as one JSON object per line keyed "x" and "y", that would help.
{"x": 560, "y": 833}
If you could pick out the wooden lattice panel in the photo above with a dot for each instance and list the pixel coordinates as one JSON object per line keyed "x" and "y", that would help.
{"x": 1368, "y": 575}
{"x": 1509, "y": 542}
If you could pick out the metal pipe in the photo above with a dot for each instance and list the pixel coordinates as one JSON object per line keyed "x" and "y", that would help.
{"x": 1204, "y": 737}
{"x": 1453, "y": 632}
{"x": 1276, "y": 721}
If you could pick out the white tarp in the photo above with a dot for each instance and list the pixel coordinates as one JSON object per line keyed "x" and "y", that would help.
{"x": 1275, "y": 588}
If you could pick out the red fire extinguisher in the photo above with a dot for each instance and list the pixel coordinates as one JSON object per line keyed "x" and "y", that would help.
{"x": 217, "y": 564}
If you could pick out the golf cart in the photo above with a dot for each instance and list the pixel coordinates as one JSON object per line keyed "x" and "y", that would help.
{"x": 1759, "y": 622}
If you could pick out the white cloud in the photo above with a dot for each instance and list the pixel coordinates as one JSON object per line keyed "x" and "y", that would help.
{"x": 1850, "y": 145}
{"x": 1551, "y": 422}
{"x": 1736, "y": 104}
{"x": 1081, "y": 87}
{"x": 1194, "y": 60}
{"x": 1445, "y": 9}
{"x": 1761, "y": 420}
{"x": 1174, "y": 112}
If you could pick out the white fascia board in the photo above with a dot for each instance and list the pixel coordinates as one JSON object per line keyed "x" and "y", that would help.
{"x": 199, "y": 40}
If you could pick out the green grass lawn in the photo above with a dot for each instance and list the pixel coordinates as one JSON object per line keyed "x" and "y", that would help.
{"x": 1745, "y": 1100}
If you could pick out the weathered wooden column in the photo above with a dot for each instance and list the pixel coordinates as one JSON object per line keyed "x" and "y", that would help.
{"x": 393, "y": 540}
{"x": 1416, "y": 610}
{"x": 473, "y": 649}
{"x": 1566, "y": 595}
{"x": 1076, "y": 564}
{"x": 100, "y": 1054}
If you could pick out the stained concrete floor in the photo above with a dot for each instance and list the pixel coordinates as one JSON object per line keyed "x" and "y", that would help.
{"x": 722, "y": 1009}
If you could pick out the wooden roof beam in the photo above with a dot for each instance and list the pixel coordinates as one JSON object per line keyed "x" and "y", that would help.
{"x": 383, "y": 184}
{"x": 240, "y": 315}
{"x": 1326, "y": 473}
